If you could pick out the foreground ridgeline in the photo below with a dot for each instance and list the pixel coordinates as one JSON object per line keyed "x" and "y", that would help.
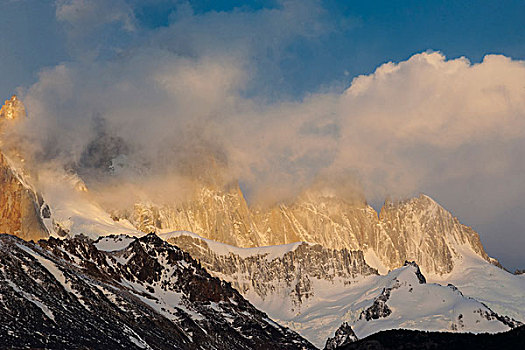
{"x": 135, "y": 293}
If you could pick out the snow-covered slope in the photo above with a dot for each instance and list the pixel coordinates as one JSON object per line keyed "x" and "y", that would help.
{"x": 500, "y": 290}
{"x": 313, "y": 290}
{"x": 73, "y": 210}
{"x": 284, "y": 279}
{"x": 403, "y": 299}
{"x": 397, "y": 300}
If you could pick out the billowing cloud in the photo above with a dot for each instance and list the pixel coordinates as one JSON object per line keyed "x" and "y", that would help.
{"x": 405, "y": 123}
{"x": 404, "y": 128}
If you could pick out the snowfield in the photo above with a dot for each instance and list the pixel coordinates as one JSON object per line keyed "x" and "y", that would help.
{"x": 502, "y": 291}
{"x": 411, "y": 304}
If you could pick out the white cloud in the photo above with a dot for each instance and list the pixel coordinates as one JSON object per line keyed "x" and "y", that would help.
{"x": 402, "y": 124}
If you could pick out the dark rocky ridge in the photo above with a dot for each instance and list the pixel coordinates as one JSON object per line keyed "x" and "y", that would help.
{"x": 343, "y": 335}
{"x": 398, "y": 339}
{"x": 59, "y": 294}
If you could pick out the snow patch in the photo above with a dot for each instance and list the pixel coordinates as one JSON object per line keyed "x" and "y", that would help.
{"x": 55, "y": 271}
{"x": 32, "y": 299}
{"x": 113, "y": 242}
{"x": 373, "y": 260}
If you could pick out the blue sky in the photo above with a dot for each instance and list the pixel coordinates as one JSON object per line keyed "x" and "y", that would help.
{"x": 364, "y": 34}
{"x": 267, "y": 85}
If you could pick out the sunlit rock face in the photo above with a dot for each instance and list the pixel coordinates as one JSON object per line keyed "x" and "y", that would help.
{"x": 225, "y": 216}
{"x": 19, "y": 205}
{"x": 13, "y": 109}
{"x": 418, "y": 229}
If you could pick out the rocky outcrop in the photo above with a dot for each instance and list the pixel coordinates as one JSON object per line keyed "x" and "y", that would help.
{"x": 343, "y": 335}
{"x": 379, "y": 309}
{"x": 419, "y": 275}
{"x": 19, "y": 205}
{"x": 143, "y": 294}
{"x": 286, "y": 271}
{"x": 417, "y": 230}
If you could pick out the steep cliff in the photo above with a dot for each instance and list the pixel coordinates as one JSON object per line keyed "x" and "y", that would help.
{"x": 289, "y": 271}
{"x": 20, "y": 205}
{"x": 418, "y": 229}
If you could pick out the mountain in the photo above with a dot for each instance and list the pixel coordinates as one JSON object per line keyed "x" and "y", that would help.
{"x": 398, "y": 339}
{"x": 126, "y": 293}
{"x": 312, "y": 263}
{"x": 418, "y": 229}
{"x": 20, "y": 203}
{"x": 313, "y": 289}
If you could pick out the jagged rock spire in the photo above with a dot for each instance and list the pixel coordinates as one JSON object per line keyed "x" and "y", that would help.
{"x": 12, "y": 109}
{"x": 343, "y": 335}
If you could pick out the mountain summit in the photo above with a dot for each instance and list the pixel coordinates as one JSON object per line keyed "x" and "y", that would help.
{"x": 418, "y": 229}
{"x": 12, "y": 109}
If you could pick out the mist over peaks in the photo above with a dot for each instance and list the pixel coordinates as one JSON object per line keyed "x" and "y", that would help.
{"x": 151, "y": 113}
